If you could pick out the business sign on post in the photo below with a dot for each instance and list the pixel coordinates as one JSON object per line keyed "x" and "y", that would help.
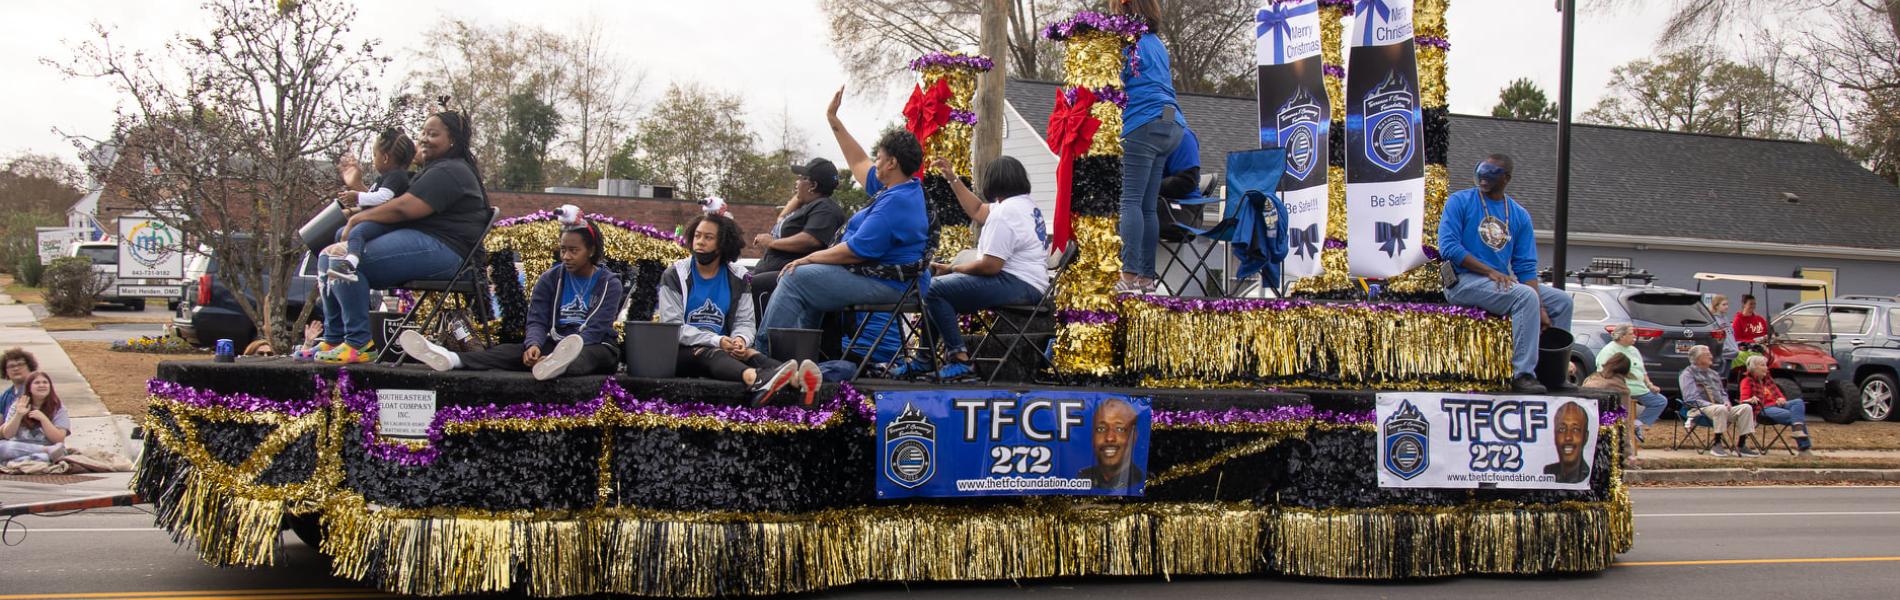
{"x": 1442, "y": 440}
{"x": 1001, "y": 443}
{"x": 55, "y": 242}
{"x": 150, "y": 249}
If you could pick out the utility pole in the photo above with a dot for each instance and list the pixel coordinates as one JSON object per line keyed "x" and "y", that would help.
{"x": 988, "y": 142}
{"x": 1560, "y": 243}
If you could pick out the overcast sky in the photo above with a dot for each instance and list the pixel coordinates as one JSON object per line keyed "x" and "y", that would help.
{"x": 774, "y": 52}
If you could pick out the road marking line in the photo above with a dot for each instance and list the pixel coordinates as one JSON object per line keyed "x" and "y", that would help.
{"x": 1754, "y": 561}
{"x": 1778, "y": 514}
{"x": 278, "y": 594}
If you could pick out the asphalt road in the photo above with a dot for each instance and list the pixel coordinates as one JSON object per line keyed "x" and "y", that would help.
{"x": 1769, "y": 542}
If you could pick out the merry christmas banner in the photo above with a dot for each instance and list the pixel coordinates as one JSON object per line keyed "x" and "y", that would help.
{"x": 1385, "y": 158}
{"x": 1295, "y": 114}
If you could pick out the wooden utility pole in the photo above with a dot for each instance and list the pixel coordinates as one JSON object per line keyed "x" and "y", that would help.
{"x": 989, "y": 87}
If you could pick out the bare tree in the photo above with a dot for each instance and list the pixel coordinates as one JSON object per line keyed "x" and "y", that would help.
{"x": 227, "y": 136}
{"x": 600, "y": 98}
{"x": 876, "y": 39}
{"x": 694, "y": 138}
{"x": 479, "y": 67}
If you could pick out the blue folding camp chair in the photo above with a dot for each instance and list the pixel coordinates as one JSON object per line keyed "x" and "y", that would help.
{"x": 1253, "y": 225}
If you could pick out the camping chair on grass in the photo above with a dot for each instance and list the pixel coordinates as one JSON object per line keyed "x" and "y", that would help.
{"x": 1694, "y": 432}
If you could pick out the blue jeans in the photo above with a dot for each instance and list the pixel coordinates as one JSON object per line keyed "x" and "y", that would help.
{"x": 804, "y": 296}
{"x": 397, "y": 257}
{"x": 1792, "y": 412}
{"x": 1653, "y": 404}
{"x": 361, "y": 234}
{"x": 958, "y": 293}
{"x": 1520, "y": 303}
{"x": 1144, "y": 156}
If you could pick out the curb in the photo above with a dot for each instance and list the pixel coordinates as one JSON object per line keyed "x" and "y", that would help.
{"x": 1758, "y": 475}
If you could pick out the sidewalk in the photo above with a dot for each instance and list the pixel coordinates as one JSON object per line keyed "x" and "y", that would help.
{"x": 93, "y": 426}
{"x": 1748, "y": 470}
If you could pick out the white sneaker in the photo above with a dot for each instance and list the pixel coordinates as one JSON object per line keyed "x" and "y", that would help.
{"x": 420, "y": 348}
{"x": 556, "y": 362}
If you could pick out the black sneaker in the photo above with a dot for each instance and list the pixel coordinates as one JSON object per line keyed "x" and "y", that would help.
{"x": 342, "y": 270}
{"x": 1526, "y": 384}
{"x": 765, "y": 387}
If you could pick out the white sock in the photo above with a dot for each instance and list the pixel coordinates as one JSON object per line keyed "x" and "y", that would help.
{"x": 455, "y": 359}
{"x": 351, "y": 258}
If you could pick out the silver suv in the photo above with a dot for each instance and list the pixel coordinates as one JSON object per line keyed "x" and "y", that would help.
{"x": 1864, "y": 337}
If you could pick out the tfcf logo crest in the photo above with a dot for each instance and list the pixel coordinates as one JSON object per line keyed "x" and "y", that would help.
{"x": 1390, "y": 138}
{"x": 1408, "y": 438}
{"x": 1299, "y": 124}
{"x": 910, "y": 448}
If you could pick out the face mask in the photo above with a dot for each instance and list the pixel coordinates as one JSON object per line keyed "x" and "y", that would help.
{"x": 1489, "y": 173}
{"x": 706, "y": 258}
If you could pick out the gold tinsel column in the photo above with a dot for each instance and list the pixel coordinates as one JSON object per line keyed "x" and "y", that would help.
{"x": 952, "y": 141}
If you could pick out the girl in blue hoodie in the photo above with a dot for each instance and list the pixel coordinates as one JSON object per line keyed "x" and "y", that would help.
{"x": 570, "y": 319}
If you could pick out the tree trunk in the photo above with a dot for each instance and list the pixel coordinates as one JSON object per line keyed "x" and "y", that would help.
{"x": 989, "y": 87}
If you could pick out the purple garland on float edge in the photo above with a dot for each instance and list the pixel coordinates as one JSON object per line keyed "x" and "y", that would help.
{"x": 953, "y": 60}
{"x": 1086, "y": 21}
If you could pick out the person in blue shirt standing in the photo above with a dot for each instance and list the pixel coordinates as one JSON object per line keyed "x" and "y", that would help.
{"x": 1486, "y": 237}
{"x": 883, "y": 246}
{"x": 1151, "y": 129}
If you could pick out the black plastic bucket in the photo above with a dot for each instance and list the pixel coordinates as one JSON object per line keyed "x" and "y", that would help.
{"x": 1553, "y": 357}
{"x": 651, "y": 349}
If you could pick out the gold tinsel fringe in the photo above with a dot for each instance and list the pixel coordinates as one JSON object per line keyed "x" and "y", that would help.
{"x": 1332, "y": 27}
{"x": 1087, "y": 349}
{"x": 1094, "y": 60}
{"x": 226, "y": 529}
{"x": 1389, "y": 543}
{"x": 535, "y": 242}
{"x": 1098, "y": 263}
{"x": 1108, "y": 137}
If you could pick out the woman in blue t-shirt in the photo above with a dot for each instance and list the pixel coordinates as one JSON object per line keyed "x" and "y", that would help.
{"x": 1151, "y": 127}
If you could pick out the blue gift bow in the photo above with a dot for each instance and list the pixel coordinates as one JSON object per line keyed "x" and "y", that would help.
{"x": 1391, "y": 237}
{"x": 1305, "y": 241}
{"x": 1360, "y": 7}
{"x": 1275, "y": 19}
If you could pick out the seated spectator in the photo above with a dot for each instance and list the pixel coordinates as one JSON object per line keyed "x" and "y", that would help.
{"x": 806, "y": 224}
{"x": 883, "y": 245}
{"x": 571, "y": 318}
{"x": 1704, "y": 394}
{"x": 707, "y": 294}
{"x": 1613, "y": 376}
{"x": 36, "y": 426}
{"x": 18, "y": 364}
{"x": 1485, "y": 235}
{"x": 1012, "y": 264}
{"x": 1760, "y": 391}
{"x": 1641, "y": 388}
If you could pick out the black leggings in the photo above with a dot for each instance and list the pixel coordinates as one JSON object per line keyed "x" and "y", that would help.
{"x": 704, "y": 361}
{"x": 595, "y": 359}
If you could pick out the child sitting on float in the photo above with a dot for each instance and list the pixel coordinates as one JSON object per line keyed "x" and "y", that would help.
{"x": 570, "y": 317}
{"x": 708, "y": 294}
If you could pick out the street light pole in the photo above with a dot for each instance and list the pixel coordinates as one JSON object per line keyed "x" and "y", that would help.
{"x": 1560, "y": 244}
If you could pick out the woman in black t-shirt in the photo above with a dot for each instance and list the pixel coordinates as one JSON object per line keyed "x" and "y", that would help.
{"x": 437, "y": 223}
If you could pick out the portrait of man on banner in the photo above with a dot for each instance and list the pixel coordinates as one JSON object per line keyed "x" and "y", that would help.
{"x": 1114, "y": 440}
{"x": 1571, "y": 435}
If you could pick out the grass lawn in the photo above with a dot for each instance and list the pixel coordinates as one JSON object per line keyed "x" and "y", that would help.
{"x": 102, "y": 316}
{"x": 1859, "y": 435}
{"x": 119, "y": 377}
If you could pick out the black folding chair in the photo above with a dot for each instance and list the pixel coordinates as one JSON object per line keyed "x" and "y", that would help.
{"x": 1769, "y": 434}
{"x": 1014, "y": 321}
{"x": 1692, "y": 432}
{"x": 911, "y": 302}
{"x": 465, "y": 281}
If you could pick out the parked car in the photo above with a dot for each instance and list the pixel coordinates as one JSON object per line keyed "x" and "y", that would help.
{"x": 128, "y": 293}
{"x": 209, "y": 311}
{"x": 1803, "y": 369}
{"x": 1668, "y": 322}
{"x": 1863, "y": 334}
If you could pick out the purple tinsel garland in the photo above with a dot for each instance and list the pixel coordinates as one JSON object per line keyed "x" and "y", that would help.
{"x": 1086, "y": 21}
{"x": 975, "y": 62}
{"x": 1104, "y": 94}
{"x": 1346, "y": 4}
{"x": 634, "y": 226}
{"x": 1333, "y": 244}
{"x": 1088, "y": 317}
{"x": 1333, "y": 71}
{"x": 1435, "y": 42}
{"x": 963, "y": 116}
{"x": 240, "y": 402}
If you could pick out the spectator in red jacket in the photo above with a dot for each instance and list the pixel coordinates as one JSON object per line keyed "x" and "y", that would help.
{"x": 1760, "y": 391}
{"x": 1750, "y": 328}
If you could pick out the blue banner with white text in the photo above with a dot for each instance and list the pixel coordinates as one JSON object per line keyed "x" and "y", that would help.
{"x": 967, "y": 443}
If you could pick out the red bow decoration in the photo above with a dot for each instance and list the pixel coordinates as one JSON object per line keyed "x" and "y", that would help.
{"x": 927, "y": 111}
{"x": 1071, "y": 131}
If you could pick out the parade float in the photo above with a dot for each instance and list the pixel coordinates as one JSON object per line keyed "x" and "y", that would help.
{"x": 1324, "y": 434}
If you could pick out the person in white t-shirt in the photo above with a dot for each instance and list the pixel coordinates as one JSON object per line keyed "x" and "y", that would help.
{"x": 1012, "y": 257}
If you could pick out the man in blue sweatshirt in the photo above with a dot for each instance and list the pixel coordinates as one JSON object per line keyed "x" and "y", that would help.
{"x": 1486, "y": 237}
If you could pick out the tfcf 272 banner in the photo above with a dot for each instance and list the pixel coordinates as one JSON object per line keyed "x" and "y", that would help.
{"x": 1385, "y": 154}
{"x": 1296, "y": 115}
{"x": 1444, "y": 440}
{"x": 1001, "y": 443}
